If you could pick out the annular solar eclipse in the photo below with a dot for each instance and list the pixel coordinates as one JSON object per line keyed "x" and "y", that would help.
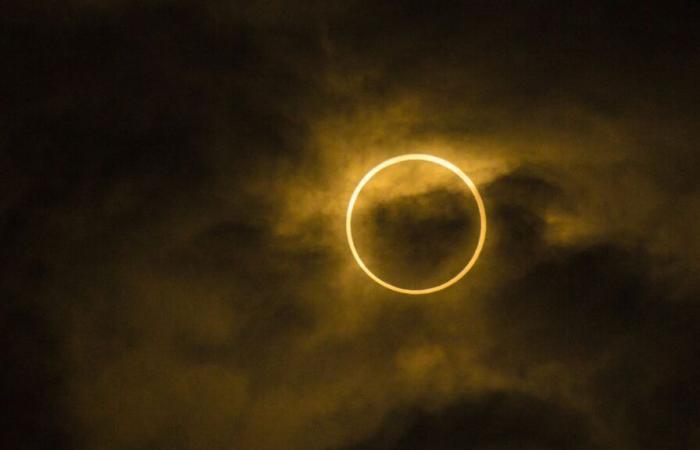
{"x": 440, "y": 162}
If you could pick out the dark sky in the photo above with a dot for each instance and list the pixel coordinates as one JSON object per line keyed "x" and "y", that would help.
{"x": 175, "y": 274}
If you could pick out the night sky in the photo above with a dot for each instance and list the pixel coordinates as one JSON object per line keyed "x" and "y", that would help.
{"x": 174, "y": 177}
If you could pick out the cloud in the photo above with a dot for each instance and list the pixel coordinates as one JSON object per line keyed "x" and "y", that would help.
{"x": 175, "y": 178}
{"x": 414, "y": 237}
{"x": 490, "y": 420}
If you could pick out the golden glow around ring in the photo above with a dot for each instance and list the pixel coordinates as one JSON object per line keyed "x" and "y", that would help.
{"x": 441, "y": 162}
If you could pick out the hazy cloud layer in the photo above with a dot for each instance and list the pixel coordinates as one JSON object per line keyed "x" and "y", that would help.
{"x": 175, "y": 271}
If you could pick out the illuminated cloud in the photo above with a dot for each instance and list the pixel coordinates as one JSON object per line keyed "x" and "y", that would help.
{"x": 176, "y": 274}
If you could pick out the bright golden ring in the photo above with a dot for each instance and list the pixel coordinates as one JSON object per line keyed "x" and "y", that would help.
{"x": 441, "y": 162}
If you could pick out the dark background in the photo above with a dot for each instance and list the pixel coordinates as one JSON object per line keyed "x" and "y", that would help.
{"x": 174, "y": 266}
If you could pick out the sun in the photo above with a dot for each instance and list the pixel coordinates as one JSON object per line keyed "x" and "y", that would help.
{"x": 440, "y": 162}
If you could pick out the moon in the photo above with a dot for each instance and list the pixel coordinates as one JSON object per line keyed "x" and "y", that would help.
{"x": 440, "y": 162}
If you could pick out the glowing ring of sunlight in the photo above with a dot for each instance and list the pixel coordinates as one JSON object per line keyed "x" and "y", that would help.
{"x": 441, "y": 162}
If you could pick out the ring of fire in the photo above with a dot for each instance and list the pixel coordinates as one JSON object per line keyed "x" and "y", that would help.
{"x": 447, "y": 165}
